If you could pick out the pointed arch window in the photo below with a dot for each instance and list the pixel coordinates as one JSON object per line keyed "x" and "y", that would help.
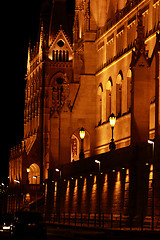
{"x": 76, "y": 145}
{"x": 74, "y": 148}
{"x": 99, "y": 104}
{"x": 34, "y": 174}
{"x": 67, "y": 56}
{"x": 53, "y": 57}
{"x": 64, "y": 59}
{"x": 56, "y": 55}
{"x": 119, "y": 94}
{"x": 60, "y": 56}
{"x": 108, "y": 98}
{"x": 129, "y": 75}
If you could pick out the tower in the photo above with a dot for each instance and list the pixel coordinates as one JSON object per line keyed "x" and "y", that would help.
{"x": 49, "y": 62}
{"x": 140, "y": 84}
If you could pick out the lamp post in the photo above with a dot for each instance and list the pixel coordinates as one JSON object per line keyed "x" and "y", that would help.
{"x": 17, "y": 193}
{"x": 28, "y": 175}
{"x": 99, "y": 191}
{"x": 153, "y": 183}
{"x": 112, "y": 120}
{"x": 58, "y": 170}
{"x": 99, "y": 165}
{"x": 35, "y": 177}
{"x": 59, "y": 191}
{"x": 82, "y": 136}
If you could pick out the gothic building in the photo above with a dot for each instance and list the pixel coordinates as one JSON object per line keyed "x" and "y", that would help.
{"x": 111, "y": 66}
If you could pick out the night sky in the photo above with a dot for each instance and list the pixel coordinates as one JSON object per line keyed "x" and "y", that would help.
{"x": 20, "y": 24}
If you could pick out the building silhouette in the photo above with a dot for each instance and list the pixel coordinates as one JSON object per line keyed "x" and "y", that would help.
{"x": 111, "y": 64}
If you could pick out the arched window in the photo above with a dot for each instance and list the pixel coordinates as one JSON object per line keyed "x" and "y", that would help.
{"x": 99, "y": 104}
{"x": 34, "y": 174}
{"x": 53, "y": 58}
{"x": 56, "y": 55}
{"x": 64, "y": 59}
{"x": 74, "y": 148}
{"x": 108, "y": 98}
{"x": 129, "y": 76}
{"x": 60, "y": 56}
{"x": 67, "y": 56}
{"x": 119, "y": 94}
{"x": 76, "y": 145}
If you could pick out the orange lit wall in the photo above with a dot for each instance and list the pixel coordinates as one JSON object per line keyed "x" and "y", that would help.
{"x": 117, "y": 194}
{"x": 150, "y": 185}
{"x": 94, "y": 196}
{"x": 55, "y": 197}
{"x": 66, "y": 198}
{"x": 105, "y": 193}
{"x": 75, "y": 197}
{"x": 84, "y": 196}
{"x": 126, "y": 193}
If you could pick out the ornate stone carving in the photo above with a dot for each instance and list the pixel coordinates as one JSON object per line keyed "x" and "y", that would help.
{"x": 60, "y": 94}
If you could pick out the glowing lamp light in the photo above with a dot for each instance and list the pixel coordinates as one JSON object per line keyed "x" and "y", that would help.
{"x": 28, "y": 170}
{"x": 6, "y": 227}
{"x": 17, "y": 181}
{"x": 82, "y": 133}
{"x": 150, "y": 141}
{"x": 97, "y": 161}
{"x": 112, "y": 120}
{"x": 57, "y": 170}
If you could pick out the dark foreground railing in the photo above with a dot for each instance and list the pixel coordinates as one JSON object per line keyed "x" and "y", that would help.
{"x": 109, "y": 221}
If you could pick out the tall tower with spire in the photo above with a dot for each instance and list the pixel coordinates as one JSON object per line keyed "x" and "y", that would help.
{"x": 60, "y": 17}
{"x": 49, "y": 60}
{"x": 140, "y": 82}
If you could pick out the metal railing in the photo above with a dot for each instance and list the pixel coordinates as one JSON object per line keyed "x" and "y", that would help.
{"x": 108, "y": 221}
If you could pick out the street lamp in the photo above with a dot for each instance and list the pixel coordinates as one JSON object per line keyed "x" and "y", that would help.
{"x": 99, "y": 191}
{"x": 153, "y": 183}
{"x": 82, "y": 136}
{"x": 99, "y": 163}
{"x": 28, "y": 170}
{"x": 17, "y": 193}
{"x": 112, "y": 120}
{"x": 58, "y": 170}
{"x": 35, "y": 177}
{"x": 59, "y": 191}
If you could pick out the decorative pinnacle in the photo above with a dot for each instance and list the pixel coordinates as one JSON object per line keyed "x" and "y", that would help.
{"x": 140, "y": 40}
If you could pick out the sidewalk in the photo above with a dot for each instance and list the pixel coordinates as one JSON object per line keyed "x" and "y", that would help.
{"x": 74, "y": 233}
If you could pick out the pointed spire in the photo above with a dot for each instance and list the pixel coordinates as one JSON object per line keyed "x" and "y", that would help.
{"x": 140, "y": 46}
{"x": 43, "y": 44}
{"x": 75, "y": 28}
{"x": 29, "y": 57}
{"x": 41, "y": 39}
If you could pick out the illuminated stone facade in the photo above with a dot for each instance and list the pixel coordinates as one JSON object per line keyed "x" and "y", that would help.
{"x": 111, "y": 67}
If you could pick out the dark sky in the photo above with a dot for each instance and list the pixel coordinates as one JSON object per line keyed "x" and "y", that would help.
{"x": 21, "y": 23}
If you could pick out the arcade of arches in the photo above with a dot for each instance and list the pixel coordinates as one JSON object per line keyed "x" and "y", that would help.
{"x": 34, "y": 174}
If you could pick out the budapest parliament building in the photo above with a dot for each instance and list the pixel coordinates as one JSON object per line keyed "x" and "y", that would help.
{"x": 91, "y": 141}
